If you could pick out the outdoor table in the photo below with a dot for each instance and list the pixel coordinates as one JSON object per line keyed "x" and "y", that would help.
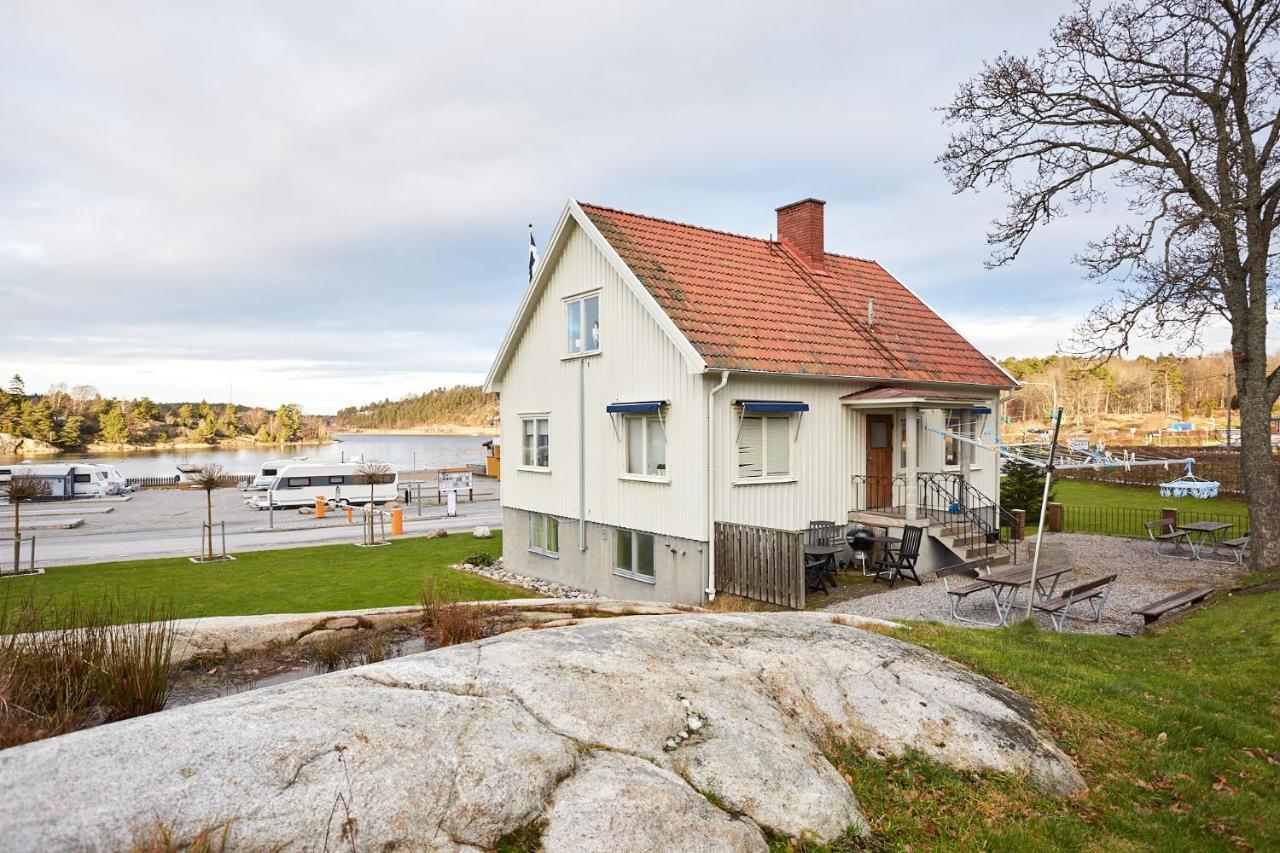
{"x": 827, "y": 570}
{"x": 879, "y": 545}
{"x": 1005, "y": 584}
{"x": 1203, "y": 533}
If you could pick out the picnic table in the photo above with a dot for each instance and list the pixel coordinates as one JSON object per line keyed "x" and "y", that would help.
{"x": 1202, "y": 533}
{"x": 1006, "y": 583}
{"x": 820, "y": 565}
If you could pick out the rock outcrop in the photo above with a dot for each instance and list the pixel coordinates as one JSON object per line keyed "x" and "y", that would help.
{"x": 629, "y": 733}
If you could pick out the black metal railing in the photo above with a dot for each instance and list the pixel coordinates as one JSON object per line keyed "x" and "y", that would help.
{"x": 973, "y": 518}
{"x": 879, "y": 494}
{"x": 1131, "y": 521}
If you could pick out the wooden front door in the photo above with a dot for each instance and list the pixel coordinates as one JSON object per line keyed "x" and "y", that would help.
{"x": 879, "y": 461}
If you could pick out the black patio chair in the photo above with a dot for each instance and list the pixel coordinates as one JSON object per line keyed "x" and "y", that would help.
{"x": 899, "y": 561}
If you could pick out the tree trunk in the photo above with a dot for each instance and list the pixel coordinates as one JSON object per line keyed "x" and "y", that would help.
{"x": 1258, "y": 468}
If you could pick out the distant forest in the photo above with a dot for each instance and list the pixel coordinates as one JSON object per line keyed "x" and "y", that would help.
{"x": 461, "y": 405}
{"x": 79, "y": 417}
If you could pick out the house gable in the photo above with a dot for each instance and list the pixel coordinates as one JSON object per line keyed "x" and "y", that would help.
{"x": 571, "y": 219}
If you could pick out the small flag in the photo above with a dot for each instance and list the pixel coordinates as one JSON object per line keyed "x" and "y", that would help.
{"x": 533, "y": 252}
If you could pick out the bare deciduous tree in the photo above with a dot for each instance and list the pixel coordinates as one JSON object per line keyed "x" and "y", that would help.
{"x": 207, "y": 478}
{"x": 371, "y": 474}
{"x": 1176, "y": 107}
{"x": 21, "y": 487}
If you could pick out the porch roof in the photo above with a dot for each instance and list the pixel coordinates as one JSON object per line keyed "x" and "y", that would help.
{"x": 886, "y": 396}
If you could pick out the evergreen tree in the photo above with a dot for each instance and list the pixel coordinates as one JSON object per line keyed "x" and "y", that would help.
{"x": 186, "y": 415}
{"x": 207, "y": 430}
{"x": 229, "y": 423}
{"x": 1022, "y": 487}
{"x": 37, "y": 420}
{"x": 205, "y": 411}
{"x": 289, "y": 417}
{"x": 263, "y": 436}
{"x": 113, "y": 426}
{"x": 17, "y": 387}
{"x": 69, "y": 435}
{"x": 144, "y": 411}
{"x": 10, "y": 415}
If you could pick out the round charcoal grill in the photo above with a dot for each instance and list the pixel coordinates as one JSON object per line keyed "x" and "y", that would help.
{"x": 860, "y": 541}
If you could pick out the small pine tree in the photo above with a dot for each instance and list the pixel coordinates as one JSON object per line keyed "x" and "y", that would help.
{"x": 69, "y": 435}
{"x": 263, "y": 435}
{"x": 289, "y": 417}
{"x": 229, "y": 422}
{"x": 37, "y": 420}
{"x": 207, "y": 430}
{"x": 186, "y": 415}
{"x": 113, "y": 426}
{"x": 1022, "y": 487}
{"x": 17, "y": 387}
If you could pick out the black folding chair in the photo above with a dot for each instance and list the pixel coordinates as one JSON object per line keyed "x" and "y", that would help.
{"x": 823, "y": 533}
{"x": 899, "y": 561}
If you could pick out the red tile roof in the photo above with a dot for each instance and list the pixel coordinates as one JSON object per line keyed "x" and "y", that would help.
{"x": 749, "y": 304}
{"x": 881, "y": 393}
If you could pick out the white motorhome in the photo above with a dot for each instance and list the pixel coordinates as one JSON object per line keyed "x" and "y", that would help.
{"x": 300, "y": 483}
{"x": 268, "y": 473}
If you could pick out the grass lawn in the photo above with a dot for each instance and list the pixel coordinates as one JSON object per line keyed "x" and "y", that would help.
{"x": 293, "y": 580}
{"x": 1085, "y": 493}
{"x": 1177, "y": 733}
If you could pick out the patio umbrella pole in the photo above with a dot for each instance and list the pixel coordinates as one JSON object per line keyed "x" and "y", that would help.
{"x": 1044, "y": 505}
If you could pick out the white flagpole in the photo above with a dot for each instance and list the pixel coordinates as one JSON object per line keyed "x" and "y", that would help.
{"x": 1044, "y": 505}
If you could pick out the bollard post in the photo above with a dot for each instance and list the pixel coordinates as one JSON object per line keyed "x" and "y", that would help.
{"x": 1169, "y": 516}
{"x": 319, "y": 506}
{"x": 350, "y": 512}
{"x": 1019, "y": 531}
{"x": 397, "y": 522}
{"x": 271, "y": 510}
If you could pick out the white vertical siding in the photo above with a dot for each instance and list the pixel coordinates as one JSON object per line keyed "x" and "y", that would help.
{"x": 637, "y": 362}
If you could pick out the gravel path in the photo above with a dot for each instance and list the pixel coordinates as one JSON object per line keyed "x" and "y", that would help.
{"x": 1143, "y": 578}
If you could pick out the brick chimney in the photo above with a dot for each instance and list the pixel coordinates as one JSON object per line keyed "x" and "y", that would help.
{"x": 800, "y": 230}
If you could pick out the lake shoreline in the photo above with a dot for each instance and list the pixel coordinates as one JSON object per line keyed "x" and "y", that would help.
{"x": 433, "y": 429}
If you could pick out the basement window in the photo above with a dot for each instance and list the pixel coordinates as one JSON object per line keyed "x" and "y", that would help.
{"x": 633, "y": 555}
{"x": 544, "y": 534}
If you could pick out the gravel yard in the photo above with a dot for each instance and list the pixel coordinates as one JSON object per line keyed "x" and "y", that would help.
{"x": 1143, "y": 578}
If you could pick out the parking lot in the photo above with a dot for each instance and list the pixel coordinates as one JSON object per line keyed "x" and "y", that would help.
{"x": 167, "y": 522}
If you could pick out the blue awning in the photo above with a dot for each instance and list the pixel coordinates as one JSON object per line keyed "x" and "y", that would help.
{"x": 642, "y": 408}
{"x": 980, "y": 410}
{"x": 760, "y": 406}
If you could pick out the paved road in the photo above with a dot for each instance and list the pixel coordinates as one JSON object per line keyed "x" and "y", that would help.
{"x": 88, "y": 545}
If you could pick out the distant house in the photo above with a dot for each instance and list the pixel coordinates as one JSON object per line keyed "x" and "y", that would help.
{"x": 661, "y": 378}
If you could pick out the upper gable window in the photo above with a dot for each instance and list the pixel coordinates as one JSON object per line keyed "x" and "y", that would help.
{"x": 582, "y": 324}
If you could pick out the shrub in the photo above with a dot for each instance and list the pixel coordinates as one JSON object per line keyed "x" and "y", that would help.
{"x": 478, "y": 559}
{"x": 1022, "y": 487}
{"x": 69, "y": 666}
{"x": 449, "y": 621}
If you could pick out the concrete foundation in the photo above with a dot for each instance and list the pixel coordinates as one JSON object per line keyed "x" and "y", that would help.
{"x": 679, "y": 564}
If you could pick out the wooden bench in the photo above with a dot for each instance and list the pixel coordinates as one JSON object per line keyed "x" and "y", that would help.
{"x": 1238, "y": 546}
{"x": 958, "y": 590}
{"x": 1156, "y": 609}
{"x": 1095, "y": 592}
{"x": 1169, "y": 534}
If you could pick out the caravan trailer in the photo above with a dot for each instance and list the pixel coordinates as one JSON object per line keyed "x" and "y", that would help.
{"x": 300, "y": 483}
{"x": 268, "y": 473}
{"x": 71, "y": 480}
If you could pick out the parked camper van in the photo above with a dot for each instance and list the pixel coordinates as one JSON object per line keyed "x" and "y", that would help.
{"x": 268, "y": 473}
{"x": 300, "y": 483}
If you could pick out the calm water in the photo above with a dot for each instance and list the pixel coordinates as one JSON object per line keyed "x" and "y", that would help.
{"x": 402, "y": 451}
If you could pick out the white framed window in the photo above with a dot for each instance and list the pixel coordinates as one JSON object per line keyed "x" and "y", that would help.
{"x": 544, "y": 534}
{"x": 646, "y": 445}
{"x": 764, "y": 447}
{"x": 960, "y": 422}
{"x": 536, "y": 443}
{"x": 633, "y": 554}
{"x": 582, "y": 324}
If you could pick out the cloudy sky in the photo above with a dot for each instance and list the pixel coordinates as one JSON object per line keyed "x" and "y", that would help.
{"x": 327, "y": 202}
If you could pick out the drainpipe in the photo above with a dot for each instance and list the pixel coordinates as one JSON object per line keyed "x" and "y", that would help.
{"x": 582, "y": 454}
{"x": 711, "y": 485}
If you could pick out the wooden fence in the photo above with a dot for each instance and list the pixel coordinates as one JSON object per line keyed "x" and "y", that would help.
{"x": 175, "y": 481}
{"x": 760, "y": 563}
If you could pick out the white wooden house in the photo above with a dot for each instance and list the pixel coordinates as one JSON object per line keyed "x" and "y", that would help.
{"x": 659, "y": 379}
